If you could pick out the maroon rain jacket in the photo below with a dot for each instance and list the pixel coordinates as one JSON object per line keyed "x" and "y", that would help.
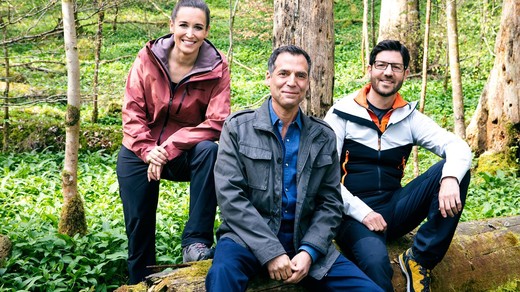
{"x": 175, "y": 116}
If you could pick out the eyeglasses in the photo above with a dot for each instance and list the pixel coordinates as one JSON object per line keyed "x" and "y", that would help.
{"x": 396, "y": 67}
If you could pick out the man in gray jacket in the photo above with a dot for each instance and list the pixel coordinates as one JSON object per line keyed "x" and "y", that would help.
{"x": 278, "y": 190}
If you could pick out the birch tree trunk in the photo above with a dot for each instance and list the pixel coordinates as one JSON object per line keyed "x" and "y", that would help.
{"x": 456, "y": 83}
{"x": 72, "y": 220}
{"x": 309, "y": 24}
{"x": 495, "y": 125}
{"x": 399, "y": 20}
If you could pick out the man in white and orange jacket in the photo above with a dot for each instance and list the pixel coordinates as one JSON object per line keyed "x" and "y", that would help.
{"x": 375, "y": 130}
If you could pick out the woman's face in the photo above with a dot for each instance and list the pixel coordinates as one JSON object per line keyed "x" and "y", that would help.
{"x": 190, "y": 29}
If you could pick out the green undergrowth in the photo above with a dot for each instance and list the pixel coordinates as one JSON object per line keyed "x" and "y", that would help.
{"x": 42, "y": 259}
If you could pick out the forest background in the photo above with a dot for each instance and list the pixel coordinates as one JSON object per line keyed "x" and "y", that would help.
{"x": 32, "y": 157}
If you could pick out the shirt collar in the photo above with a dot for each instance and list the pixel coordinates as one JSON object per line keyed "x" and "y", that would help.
{"x": 275, "y": 118}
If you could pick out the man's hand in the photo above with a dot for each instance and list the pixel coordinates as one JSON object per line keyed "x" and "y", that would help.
{"x": 156, "y": 160}
{"x": 300, "y": 265}
{"x": 449, "y": 197}
{"x": 279, "y": 268}
{"x": 375, "y": 222}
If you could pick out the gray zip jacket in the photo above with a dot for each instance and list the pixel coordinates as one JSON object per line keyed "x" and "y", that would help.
{"x": 248, "y": 178}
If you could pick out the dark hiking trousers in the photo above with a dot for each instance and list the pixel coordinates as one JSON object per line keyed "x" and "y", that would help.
{"x": 405, "y": 209}
{"x": 140, "y": 199}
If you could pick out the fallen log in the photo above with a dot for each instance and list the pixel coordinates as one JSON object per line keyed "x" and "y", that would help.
{"x": 483, "y": 255}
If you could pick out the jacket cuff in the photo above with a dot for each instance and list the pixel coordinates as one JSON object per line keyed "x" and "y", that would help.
{"x": 173, "y": 152}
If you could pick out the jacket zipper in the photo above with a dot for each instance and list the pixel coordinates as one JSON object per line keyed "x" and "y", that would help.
{"x": 186, "y": 91}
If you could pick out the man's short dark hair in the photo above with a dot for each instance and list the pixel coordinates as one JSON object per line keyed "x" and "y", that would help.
{"x": 200, "y": 4}
{"x": 291, "y": 49}
{"x": 390, "y": 45}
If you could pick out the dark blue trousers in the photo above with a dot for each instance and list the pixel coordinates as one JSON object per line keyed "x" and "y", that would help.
{"x": 140, "y": 199}
{"x": 403, "y": 212}
{"x": 233, "y": 266}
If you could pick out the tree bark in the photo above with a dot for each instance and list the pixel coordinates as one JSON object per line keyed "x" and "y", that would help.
{"x": 399, "y": 20}
{"x": 97, "y": 58}
{"x": 232, "y": 13}
{"x": 456, "y": 83}
{"x": 424, "y": 79}
{"x": 5, "y": 123}
{"x": 294, "y": 22}
{"x": 495, "y": 125}
{"x": 483, "y": 255}
{"x": 72, "y": 220}
{"x": 365, "y": 46}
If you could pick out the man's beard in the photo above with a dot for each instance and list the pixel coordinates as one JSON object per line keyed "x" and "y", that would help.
{"x": 373, "y": 82}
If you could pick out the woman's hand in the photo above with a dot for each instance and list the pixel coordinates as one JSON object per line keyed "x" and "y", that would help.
{"x": 156, "y": 160}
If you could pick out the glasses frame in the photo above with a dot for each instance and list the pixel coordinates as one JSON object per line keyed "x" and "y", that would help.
{"x": 393, "y": 66}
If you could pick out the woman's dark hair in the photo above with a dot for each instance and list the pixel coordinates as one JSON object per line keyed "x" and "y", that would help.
{"x": 200, "y": 4}
{"x": 291, "y": 49}
{"x": 390, "y": 45}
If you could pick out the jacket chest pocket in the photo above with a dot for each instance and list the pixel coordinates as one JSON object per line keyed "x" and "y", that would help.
{"x": 256, "y": 161}
{"x": 319, "y": 169}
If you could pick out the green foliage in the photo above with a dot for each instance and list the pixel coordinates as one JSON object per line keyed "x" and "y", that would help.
{"x": 493, "y": 196}
{"x": 44, "y": 260}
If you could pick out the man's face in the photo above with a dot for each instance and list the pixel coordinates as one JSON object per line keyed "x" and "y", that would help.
{"x": 387, "y": 82}
{"x": 288, "y": 82}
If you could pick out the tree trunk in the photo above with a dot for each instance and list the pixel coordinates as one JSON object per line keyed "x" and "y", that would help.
{"x": 97, "y": 55}
{"x": 365, "y": 47}
{"x": 424, "y": 74}
{"x": 294, "y": 22}
{"x": 232, "y": 13}
{"x": 483, "y": 255}
{"x": 495, "y": 126}
{"x": 456, "y": 83}
{"x": 5, "y": 123}
{"x": 372, "y": 24}
{"x": 399, "y": 20}
{"x": 116, "y": 13}
{"x": 72, "y": 220}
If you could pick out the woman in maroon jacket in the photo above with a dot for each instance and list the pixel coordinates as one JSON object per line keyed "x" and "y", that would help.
{"x": 176, "y": 99}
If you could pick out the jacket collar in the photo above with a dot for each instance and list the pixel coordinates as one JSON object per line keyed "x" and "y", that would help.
{"x": 361, "y": 98}
{"x": 263, "y": 121}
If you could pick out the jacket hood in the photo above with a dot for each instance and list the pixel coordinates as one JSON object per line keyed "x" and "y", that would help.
{"x": 207, "y": 60}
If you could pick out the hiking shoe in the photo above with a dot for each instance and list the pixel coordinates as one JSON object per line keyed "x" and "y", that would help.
{"x": 196, "y": 252}
{"x": 417, "y": 278}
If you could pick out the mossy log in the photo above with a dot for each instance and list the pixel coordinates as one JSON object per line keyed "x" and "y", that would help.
{"x": 483, "y": 255}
